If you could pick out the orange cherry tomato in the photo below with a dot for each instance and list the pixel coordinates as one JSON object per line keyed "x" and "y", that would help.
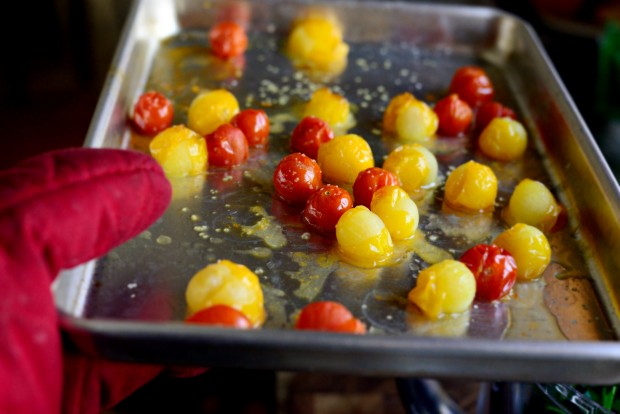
{"x": 296, "y": 177}
{"x": 254, "y": 124}
{"x": 228, "y": 39}
{"x": 454, "y": 115}
{"x": 369, "y": 181}
{"x": 329, "y": 316}
{"x": 472, "y": 85}
{"x": 152, "y": 113}
{"x": 309, "y": 134}
{"x": 227, "y": 146}
{"x": 324, "y": 208}
{"x": 494, "y": 268}
{"x": 220, "y": 315}
{"x": 490, "y": 110}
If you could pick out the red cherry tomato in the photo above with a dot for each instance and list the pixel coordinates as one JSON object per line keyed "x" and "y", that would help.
{"x": 324, "y": 208}
{"x": 309, "y": 134}
{"x": 454, "y": 115}
{"x": 472, "y": 85}
{"x": 329, "y": 316}
{"x": 494, "y": 268}
{"x": 296, "y": 177}
{"x": 254, "y": 123}
{"x": 228, "y": 39}
{"x": 227, "y": 146}
{"x": 369, "y": 181}
{"x": 490, "y": 110}
{"x": 152, "y": 113}
{"x": 221, "y": 315}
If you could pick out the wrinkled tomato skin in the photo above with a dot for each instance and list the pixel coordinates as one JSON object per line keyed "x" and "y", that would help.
{"x": 152, "y": 113}
{"x": 254, "y": 124}
{"x": 324, "y": 208}
{"x": 228, "y": 39}
{"x": 227, "y": 146}
{"x": 494, "y": 268}
{"x": 329, "y": 316}
{"x": 490, "y": 110}
{"x": 369, "y": 181}
{"x": 309, "y": 134}
{"x": 472, "y": 85}
{"x": 220, "y": 315}
{"x": 454, "y": 115}
{"x": 295, "y": 178}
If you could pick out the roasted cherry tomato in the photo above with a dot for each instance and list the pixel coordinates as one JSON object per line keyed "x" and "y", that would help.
{"x": 369, "y": 181}
{"x": 254, "y": 123}
{"x": 454, "y": 115}
{"x": 495, "y": 270}
{"x": 296, "y": 177}
{"x": 472, "y": 85}
{"x": 490, "y": 110}
{"x": 228, "y": 39}
{"x": 152, "y": 113}
{"x": 324, "y": 208}
{"x": 309, "y": 134}
{"x": 221, "y": 315}
{"x": 227, "y": 146}
{"x": 329, "y": 316}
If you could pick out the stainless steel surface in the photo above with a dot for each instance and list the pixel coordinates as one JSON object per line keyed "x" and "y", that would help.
{"x": 130, "y": 304}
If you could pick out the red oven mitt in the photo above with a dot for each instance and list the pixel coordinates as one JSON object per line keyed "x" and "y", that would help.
{"x": 58, "y": 210}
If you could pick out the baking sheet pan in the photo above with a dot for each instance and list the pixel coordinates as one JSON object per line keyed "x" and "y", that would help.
{"x": 130, "y": 304}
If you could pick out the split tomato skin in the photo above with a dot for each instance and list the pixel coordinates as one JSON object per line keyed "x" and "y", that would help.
{"x": 152, "y": 113}
{"x": 494, "y": 268}
{"x": 220, "y": 315}
{"x": 254, "y": 123}
{"x": 325, "y": 207}
{"x": 369, "y": 181}
{"x": 309, "y": 134}
{"x": 227, "y": 146}
{"x": 228, "y": 39}
{"x": 473, "y": 85}
{"x": 490, "y": 110}
{"x": 296, "y": 177}
{"x": 329, "y": 316}
{"x": 454, "y": 115}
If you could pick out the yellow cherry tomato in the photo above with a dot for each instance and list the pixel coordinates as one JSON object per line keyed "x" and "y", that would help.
{"x": 227, "y": 283}
{"x": 391, "y": 112}
{"x": 211, "y": 109}
{"x": 363, "y": 239}
{"x": 397, "y": 210}
{"x": 471, "y": 188}
{"x": 330, "y": 107}
{"x": 529, "y": 247}
{"x": 504, "y": 139}
{"x": 446, "y": 287}
{"x": 532, "y": 203}
{"x": 343, "y": 158}
{"x": 416, "y": 122}
{"x": 415, "y": 166}
{"x": 180, "y": 151}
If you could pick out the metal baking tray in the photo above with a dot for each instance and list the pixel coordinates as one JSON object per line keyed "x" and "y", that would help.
{"x": 129, "y": 305}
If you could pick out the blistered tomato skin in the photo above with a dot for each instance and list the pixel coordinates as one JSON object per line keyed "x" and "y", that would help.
{"x": 254, "y": 123}
{"x": 152, "y": 113}
{"x": 228, "y": 39}
{"x": 491, "y": 110}
{"x": 369, "y": 181}
{"x": 230, "y": 284}
{"x": 494, "y": 268}
{"x": 296, "y": 177}
{"x": 454, "y": 115}
{"x": 330, "y": 107}
{"x": 210, "y": 109}
{"x": 529, "y": 247}
{"x": 416, "y": 122}
{"x": 309, "y": 135}
{"x": 180, "y": 151}
{"x": 220, "y": 315}
{"x": 532, "y": 203}
{"x": 344, "y": 157}
{"x": 473, "y": 85}
{"x": 471, "y": 188}
{"x": 415, "y": 166}
{"x": 325, "y": 207}
{"x": 504, "y": 139}
{"x": 444, "y": 288}
{"x": 329, "y": 316}
{"x": 397, "y": 210}
{"x": 227, "y": 146}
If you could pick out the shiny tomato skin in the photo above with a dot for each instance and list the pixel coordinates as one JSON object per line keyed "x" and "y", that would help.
{"x": 227, "y": 146}
{"x": 152, "y": 113}
{"x": 254, "y": 123}
{"x": 490, "y": 110}
{"x": 228, "y": 39}
{"x": 220, "y": 315}
{"x": 296, "y": 177}
{"x": 454, "y": 115}
{"x": 472, "y": 85}
{"x": 324, "y": 208}
{"x": 309, "y": 134}
{"x": 494, "y": 268}
{"x": 329, "y": 316}
{"x": 369, "y": 181}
